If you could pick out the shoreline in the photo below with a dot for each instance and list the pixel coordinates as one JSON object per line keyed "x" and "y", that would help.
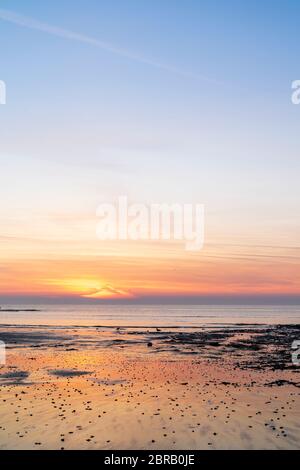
{"x": 136, "y": 388}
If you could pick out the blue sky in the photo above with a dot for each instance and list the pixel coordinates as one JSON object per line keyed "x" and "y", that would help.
{"x": 240, "y": 117}
{"x": 195, "y": 108}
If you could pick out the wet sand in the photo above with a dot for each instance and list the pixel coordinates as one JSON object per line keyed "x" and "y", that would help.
{"x": 218, "y": 387}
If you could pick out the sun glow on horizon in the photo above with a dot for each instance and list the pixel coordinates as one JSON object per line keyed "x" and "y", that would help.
{"x": 88, "y": 288}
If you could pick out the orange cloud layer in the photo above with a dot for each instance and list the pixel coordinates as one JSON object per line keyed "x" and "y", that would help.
{"x": 125, "y": 277}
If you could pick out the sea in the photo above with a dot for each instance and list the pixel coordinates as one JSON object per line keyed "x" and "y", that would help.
{"x": 148, "y": 315}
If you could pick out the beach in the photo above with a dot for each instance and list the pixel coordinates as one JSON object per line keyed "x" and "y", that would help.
{"x": 149, "y": 241}
{"x": 209, "y": 386}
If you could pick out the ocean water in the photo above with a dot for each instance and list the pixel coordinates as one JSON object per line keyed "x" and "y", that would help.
{"x": 154, "y": 315}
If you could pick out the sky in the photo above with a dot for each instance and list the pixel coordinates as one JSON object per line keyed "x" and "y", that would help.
{"x": 164, "y": 102}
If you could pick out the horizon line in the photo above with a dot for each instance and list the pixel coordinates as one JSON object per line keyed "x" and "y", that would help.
{"x": 222, "y": 299}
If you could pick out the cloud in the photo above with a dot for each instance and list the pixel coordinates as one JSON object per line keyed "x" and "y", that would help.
{"x": 108, "y": 291}
{"x": 26, "y": 22}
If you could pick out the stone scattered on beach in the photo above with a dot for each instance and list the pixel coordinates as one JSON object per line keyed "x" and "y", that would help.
{"x": 194, "y": 390}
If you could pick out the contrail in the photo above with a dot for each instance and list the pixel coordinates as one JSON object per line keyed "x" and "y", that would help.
{"x": 31, "y": 23}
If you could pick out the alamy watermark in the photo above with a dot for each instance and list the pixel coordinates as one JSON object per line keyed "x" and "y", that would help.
{"x": 296, "y": 353}
{"x": 178, "y": 222}
{"x": 296, "y": 92}
{"x": 2, "y": 92}
{"x": 2, "y": 353}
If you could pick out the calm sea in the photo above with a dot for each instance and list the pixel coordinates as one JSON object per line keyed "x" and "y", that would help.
{"x": 158, "y": 315}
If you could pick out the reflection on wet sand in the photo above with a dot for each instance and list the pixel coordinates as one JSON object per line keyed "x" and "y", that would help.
{"x": 230, "y": 386}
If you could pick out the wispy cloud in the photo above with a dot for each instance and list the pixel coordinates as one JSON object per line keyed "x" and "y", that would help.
{"x": 26, "y": 22}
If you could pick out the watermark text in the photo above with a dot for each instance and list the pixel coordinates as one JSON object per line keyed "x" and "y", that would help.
{"x": 296, "y": 353}
{"x": 178, "y": 222}
{"x": 2, "y": 92}
{"x": 296, "y": 93}
{"x": 2, "y": 353}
